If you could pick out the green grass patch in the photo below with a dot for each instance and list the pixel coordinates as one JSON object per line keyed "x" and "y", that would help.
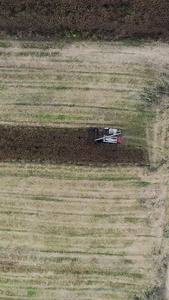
{"x": 62, "y": 87}
{"x": 127, "y": 261}
{"x": 166, "y": 231}
{"x": 113, "y": 178}
{"x": 143, "y": 183}
{"x": 61, "y": 117}
{"x": 4, "y": 44}
{"x": 134, "y": 220}
{"x": 31, "y": 291}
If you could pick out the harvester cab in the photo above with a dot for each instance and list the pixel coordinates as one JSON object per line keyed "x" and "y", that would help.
{"x": 104, "y": 135}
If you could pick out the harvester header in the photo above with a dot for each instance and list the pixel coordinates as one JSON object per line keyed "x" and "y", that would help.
{"x": 104, "y": 135}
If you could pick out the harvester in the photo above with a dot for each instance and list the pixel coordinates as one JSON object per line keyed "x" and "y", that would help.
{"x": 104, "y": 135}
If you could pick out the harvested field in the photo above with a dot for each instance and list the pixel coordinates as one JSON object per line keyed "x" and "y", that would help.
{"x": 80, "y": 232}
{"x": 63, "y": 145}
{"x": 84, "y": 230}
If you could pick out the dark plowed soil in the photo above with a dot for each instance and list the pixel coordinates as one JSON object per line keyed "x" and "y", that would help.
{"x": 101, "y": 18}
{"x": 63, "y": 145}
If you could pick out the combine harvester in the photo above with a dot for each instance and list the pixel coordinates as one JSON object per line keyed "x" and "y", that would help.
{"x": 104, "y": 135}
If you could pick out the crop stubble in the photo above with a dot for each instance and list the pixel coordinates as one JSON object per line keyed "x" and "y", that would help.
{"x": 81, "y": 232}
{"x": 68, "y": 235}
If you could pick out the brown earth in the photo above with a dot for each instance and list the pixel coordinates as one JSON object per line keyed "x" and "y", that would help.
{"x": 96, "y": 18}
{"x": 63, "y": 145}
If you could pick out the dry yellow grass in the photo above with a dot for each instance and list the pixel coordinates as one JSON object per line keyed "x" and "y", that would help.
{"x": 85, "y": 232}
{"x": 78, "y": 85}
{"x": 66, "y": 235}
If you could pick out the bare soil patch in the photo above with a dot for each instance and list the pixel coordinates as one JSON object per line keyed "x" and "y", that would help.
{"x": 63, "y": 145}
{"x": 103, "y": 19}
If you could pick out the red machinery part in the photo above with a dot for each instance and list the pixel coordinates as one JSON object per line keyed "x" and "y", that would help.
{"x": 119, "y": 139}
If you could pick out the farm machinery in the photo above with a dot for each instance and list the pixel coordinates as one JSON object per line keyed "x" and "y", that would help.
{"x": 104, "y": 135}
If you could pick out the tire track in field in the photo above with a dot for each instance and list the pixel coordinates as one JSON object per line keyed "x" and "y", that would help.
{"x": 159, "y": 138}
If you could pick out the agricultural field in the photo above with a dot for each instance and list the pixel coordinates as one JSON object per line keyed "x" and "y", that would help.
{"x": 85, "y": 230}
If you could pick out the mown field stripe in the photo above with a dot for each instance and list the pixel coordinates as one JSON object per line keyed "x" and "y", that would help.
{"x": 71, "y": 105}
{"x": 22, "y": 70}
{"x": 9, "y": 84}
